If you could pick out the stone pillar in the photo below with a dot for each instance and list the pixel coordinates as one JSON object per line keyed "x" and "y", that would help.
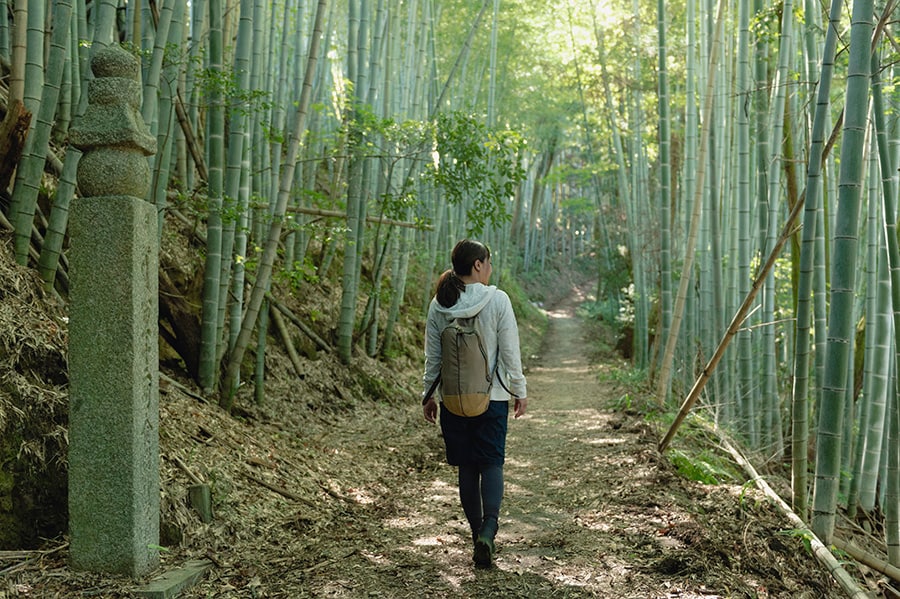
{"x": 113, "y": 331}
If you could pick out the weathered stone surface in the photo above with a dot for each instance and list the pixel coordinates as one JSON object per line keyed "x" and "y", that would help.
{"x": 114, "y": 386}
{"x": 113, "y": 332}
{"x": 112, "y": 134}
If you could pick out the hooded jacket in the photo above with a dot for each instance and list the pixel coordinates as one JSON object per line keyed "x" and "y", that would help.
{"x": 497, "y": 324}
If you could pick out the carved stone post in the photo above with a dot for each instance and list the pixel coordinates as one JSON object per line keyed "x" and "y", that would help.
{"x": 113, "y": 331}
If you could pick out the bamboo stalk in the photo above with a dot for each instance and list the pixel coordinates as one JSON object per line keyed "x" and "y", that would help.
{"x": 280, "y": 490}
{"x": 194, "y": 478}
{"x": 286, "y": 337}
{"x": 182, "y": 388}
{"x": 735, "y": 325}
{"x": 193, "y": 145}
{"x": 678, "y": 310}
{"x": 872, "y": 561}
{"x": 300, "y": 324}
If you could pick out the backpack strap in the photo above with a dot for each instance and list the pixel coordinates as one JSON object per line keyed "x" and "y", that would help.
{"x": 430, "y": 392}
{"x": 502, "y": 384}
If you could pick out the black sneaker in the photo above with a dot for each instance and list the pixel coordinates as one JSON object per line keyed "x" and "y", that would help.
{"x": 483, "y": 556}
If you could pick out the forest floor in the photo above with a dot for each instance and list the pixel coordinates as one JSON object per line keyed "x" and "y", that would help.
{"x": 359, "y": 502}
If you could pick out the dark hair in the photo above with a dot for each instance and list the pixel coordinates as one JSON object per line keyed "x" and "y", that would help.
{"x": 463, "y": 257}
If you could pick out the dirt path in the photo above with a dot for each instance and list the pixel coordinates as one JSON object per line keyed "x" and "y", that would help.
{"x": 590, "y": 510}
{"x": 360, "y": 503}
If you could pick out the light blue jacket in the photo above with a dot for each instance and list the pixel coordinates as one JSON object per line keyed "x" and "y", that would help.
{"x": 497, "y": 324}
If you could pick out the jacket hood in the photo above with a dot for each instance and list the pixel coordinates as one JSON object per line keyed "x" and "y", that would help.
{"x": 470, "y": 302}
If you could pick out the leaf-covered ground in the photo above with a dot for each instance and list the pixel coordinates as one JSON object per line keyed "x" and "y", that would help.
{"x": 590, "y": 510}
{"x": 348, "y": 497}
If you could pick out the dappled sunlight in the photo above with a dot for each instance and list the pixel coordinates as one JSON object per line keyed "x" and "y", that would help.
{"x": 573, "y": 365}
{"x": 511, "y": 488}
{"x": 590, "y": 509}
{"x": 441, "y": 491}
{"x": 361, "y": 496}
{"x": 408, "y": 523}
{"x": 604, "y": 441}
{"x": 512, "y": 462}
{"x": 375, "y": 558}
{"x": 429, "y": 541}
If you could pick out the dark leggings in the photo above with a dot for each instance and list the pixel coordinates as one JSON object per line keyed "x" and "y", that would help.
{"x": 480, "y": 492}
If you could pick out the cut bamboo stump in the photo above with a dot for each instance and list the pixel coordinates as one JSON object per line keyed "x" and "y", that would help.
{"x": 201, "y": 500}
{"x": 199, "y": 494}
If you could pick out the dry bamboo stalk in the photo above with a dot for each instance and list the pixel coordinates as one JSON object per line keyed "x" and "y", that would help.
{"x": 286, "y": 337}
{"x": 280, "y": 490}
{"x": 300, "y": 324}
{"x": 182, "y": 388}
{"x": 194, "y": 478}
{"x": 873, "y": 561}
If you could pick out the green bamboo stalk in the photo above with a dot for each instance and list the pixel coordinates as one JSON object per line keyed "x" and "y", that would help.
{"x": 355, "y": 176}
{"x": 51, "y": 250}
{"x": 264, "y": 274}
{"x": 681, "y": 297}
{"x": 5, "y": 49}
{"x": 771, "y": 434}
{"x": 812, "y": 213}
{"x": 892, "y": 255}
{"x": 159, "y": 40}
{"x": 843, "y": 274}
{"x": 209, "y": 334}
{"x": 234, "y": 165}
{"x": 892, "y": 484}
{"x": 871, "y": 421}
{"x": 22, "y": 206}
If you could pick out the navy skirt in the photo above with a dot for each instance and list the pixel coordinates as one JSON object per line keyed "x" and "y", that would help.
{"x": 476, "y": 441}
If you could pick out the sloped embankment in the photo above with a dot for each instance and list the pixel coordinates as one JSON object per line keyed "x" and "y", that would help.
{"x": 32, "y": 407}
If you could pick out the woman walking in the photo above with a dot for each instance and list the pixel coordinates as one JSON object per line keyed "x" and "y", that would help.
{"x": 476, "y": 444}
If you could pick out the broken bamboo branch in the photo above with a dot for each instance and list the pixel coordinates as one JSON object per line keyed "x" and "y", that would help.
{"x": 872, "y": 561}
{"x": 280, "y": 490}
{"x": 300, "y": 324}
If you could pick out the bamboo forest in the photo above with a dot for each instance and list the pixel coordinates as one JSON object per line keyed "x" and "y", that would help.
{"x": 222, "y": 225}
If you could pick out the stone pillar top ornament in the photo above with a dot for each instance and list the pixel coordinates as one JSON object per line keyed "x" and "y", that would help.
{"x": 112, "y": 134}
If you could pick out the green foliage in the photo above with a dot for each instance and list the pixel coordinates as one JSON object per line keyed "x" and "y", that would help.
{"x": 396, "y": 205}
{"x": 765, "y": 25}
{"x": 631, "y": 377}
{"x": 701, "y": 468}
{"x": 476, "y": 164}
{"x": 301, "y": 272}
{"x": 606, "y": 309}
{"x": 805, "y": 537}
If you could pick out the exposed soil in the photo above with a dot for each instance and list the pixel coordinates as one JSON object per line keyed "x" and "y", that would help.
{"x": 354, "y": 500}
